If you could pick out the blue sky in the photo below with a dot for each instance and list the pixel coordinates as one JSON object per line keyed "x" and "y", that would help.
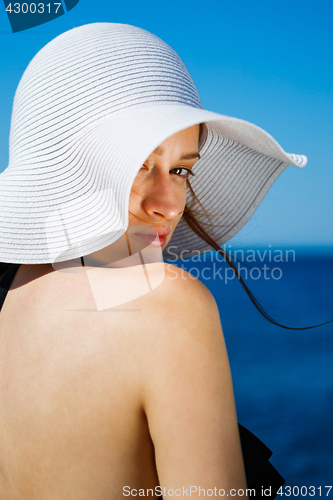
{"x": 267, "y": 62}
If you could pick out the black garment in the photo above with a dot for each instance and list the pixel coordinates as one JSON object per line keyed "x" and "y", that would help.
{"x": 260, "y": 473}
{"x": 7, "y": 273}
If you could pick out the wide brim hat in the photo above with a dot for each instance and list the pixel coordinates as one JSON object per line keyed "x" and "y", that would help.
{"x": 90, "y": 108}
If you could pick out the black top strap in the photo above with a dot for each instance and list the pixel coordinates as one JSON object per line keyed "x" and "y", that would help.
{"x": 6, "y": 281}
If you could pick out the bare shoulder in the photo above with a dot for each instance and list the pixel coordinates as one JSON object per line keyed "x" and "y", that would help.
{"x": 179, "y": 283}
{"x": 178, "y": 319}
{"x": 187, "y": 387}
{"x": 183, "y": 310}
{"x": 181, "y": 279}
{"x": 181, "y": 322}
{"x": 184, "y": 302}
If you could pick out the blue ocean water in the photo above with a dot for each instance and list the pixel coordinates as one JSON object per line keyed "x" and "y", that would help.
{"x": 283, "y": 379}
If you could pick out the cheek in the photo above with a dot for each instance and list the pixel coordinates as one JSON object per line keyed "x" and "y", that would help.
{"x": 181, "y": 195}
{"x": 137, "y": 189}
{"x": 134, "y": 201}
{"x": 180, "y": 192}
{"x": 184, "y": 194}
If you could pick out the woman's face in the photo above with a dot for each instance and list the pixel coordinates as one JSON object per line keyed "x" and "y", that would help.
{"x": 158, "y": 194}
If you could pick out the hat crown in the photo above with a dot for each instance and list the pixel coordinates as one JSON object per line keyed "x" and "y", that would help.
{"x": 88, "y": 73}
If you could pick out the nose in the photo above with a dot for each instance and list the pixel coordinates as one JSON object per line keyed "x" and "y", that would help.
{"x": 162, "y": 199}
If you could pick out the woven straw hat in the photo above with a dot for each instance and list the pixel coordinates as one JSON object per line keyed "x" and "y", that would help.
{"x": 90, "y": 108}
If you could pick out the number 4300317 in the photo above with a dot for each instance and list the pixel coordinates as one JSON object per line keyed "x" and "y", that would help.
{"x": 33, "y": 8}
{"x": 304, "y": 491}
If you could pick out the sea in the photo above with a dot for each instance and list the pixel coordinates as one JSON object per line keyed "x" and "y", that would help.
{"x": 283, "y": 378}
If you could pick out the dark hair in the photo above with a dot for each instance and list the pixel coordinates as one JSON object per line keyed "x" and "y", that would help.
{"x": 198, "y": 227}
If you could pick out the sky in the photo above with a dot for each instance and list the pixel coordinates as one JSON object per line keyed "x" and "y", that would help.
{"x": 270, "y": 63}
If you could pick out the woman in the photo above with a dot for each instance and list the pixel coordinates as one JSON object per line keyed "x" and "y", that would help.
{"x": 107, "y": 127}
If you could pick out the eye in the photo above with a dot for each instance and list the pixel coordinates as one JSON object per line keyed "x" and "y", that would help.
{"x": 178, "y": 170}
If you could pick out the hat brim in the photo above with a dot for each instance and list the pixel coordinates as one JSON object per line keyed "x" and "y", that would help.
{"x": 74, "y": 198}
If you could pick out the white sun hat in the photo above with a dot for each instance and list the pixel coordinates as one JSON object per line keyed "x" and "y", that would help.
{"x": 90, "y": 108}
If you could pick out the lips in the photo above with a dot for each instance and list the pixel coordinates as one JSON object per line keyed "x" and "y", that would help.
{"x": 154, "y": 239}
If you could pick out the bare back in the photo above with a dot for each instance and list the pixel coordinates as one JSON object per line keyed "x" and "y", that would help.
{"x": 71, "y": 419}
{"x": 89, "y": 399}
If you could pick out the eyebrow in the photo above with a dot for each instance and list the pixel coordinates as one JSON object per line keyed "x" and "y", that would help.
{"x": 187, "y": 156}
